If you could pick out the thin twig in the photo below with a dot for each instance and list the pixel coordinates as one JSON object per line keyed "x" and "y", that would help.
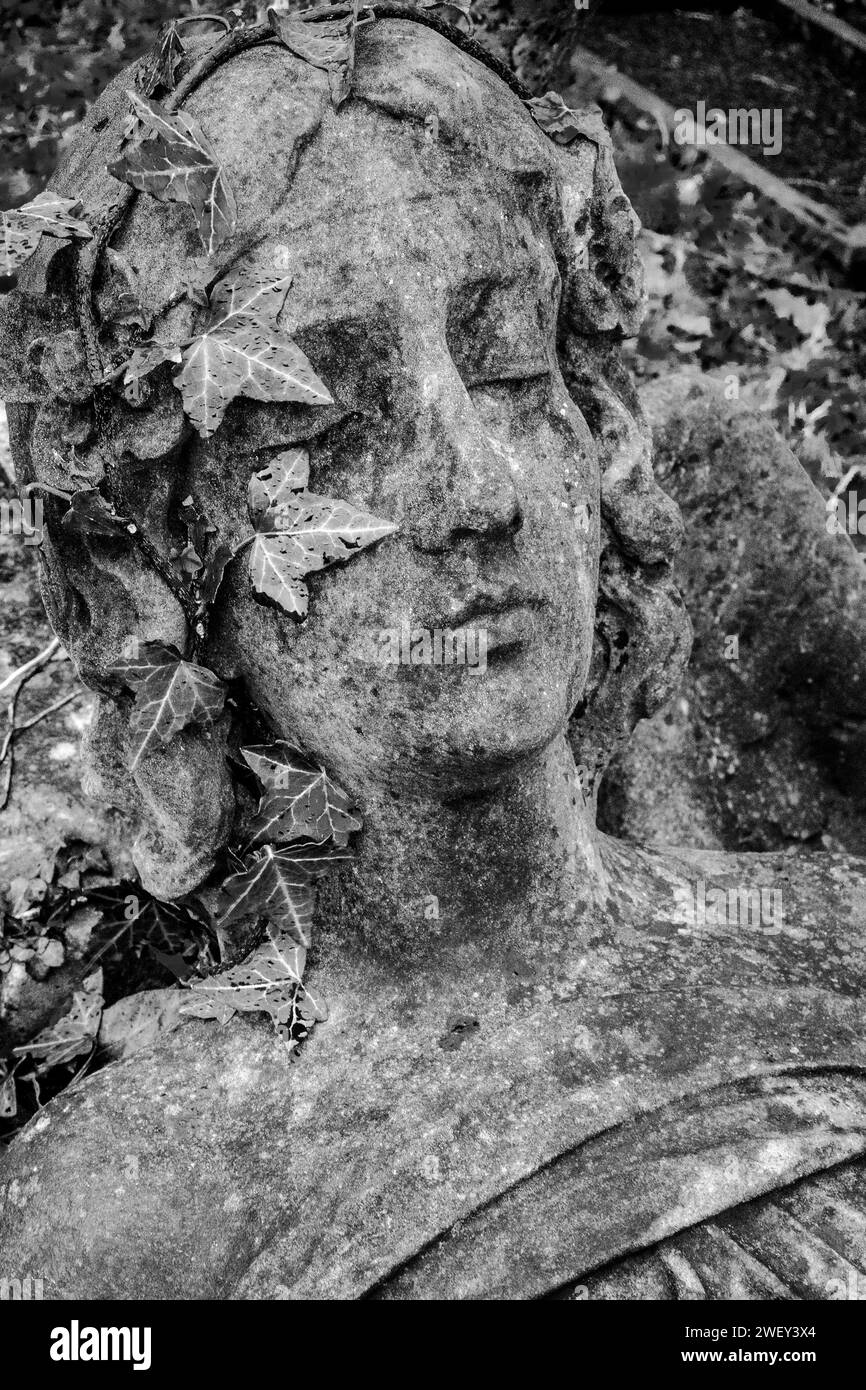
{"x": 30, "y": 667}
{"x": 85, "y": 1064}
{"x": 203, "y": 18}
{"x": 7, "y": 751}
{"x": 51, "y": 709}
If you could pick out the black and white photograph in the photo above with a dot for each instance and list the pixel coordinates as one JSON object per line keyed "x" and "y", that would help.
{"x": 433, "y": 667}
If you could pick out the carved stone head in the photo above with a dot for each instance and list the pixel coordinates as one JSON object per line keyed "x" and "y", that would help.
{"x": 460, "y": 282}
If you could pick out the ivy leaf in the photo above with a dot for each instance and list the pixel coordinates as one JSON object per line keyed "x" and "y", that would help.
{"x": 300, "y": 801}
{"x": 302, "y": 532}
{"x": 175, "y": 162}
{"x": 89, "y": 514}
{"x": 269, "y": 981}
{"x": 271, "y": 885}
{"x": 199, "y": 272}
{"x": 140, "y": 660}
{"x": 329, "y": 45}
{"x": 564, "y": 125}
{"x": 22, "y": 228}
{"x": 72, "y": 1035}
{"x": 170, "y": 694}
{"x": 159, "y": 68}
{"x": 284, "y": 475}
{"x": 242, "y": 352}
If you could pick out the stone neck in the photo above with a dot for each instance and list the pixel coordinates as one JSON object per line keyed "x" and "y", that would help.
{"x": 524, "y": 851}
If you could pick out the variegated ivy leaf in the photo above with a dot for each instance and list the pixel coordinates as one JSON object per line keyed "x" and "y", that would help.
{"x": 175, "y": 162}
{"x": 159, "y": 68}
{"x": 140, "y": 660}
{"x": 268, "y": 981}
{"x": 301, "y": 532}
{"x": 329, "y": 45}
{"x": 170, "y": 694}
{"x": 21, "y": 229}
{"x": 300, "y": 801}
{"x": 564, "y": 125}
{"x": 240, "y": 352}
{"x": 286, "y": 474}
{"x": 271, "y": 885}
{"x": 74, "y": 1034}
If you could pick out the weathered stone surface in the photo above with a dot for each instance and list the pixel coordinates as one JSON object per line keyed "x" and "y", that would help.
{"x": 653, "y": 1066}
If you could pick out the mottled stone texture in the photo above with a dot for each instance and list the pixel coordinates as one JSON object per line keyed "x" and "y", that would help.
{"x": 764, "y": 743}
{"x": 429, "y": 221}
{"x": 558, "y": 1031}
{"x": 599, "y": 1106}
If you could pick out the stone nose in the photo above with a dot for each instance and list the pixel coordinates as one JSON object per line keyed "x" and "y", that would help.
{"x": 465, "y": 482}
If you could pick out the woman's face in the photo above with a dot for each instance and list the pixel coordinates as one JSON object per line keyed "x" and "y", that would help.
{"x": 425, "y": 294}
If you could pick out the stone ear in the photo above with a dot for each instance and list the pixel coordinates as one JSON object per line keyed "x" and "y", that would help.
{"x": 180, "y": 797}
{"x": 98, "y": 593}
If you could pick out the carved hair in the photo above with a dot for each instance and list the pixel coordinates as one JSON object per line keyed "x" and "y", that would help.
{"x": 97, "y": 593}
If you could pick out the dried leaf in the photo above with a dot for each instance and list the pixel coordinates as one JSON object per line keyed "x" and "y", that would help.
{"x": 74, "y": 1034}
{"x": 8, "y": 1099}
{"x": 564, "y": 125}
{"x": 159, "y": 68}
{"x": 329, "y": 45}
{"x": 89, "y": 514}
{"x": 175, "y": 162}
{"x": 242, "y": 352}
{"x": 170, "y": 694}
{"x": 212, "y": 575}
{"x": 269, "y": 981}
{"x": 300, "y": 801}
{"x": 21, "y": 229}
{"x": 302, "y": 532}
{"x": 138, "y": 1020}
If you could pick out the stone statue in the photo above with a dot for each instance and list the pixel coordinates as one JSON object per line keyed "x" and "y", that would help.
{"x": 554, "y": 1064}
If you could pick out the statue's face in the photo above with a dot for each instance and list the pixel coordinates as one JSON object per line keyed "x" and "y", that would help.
{"x": 425, "y": 294}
